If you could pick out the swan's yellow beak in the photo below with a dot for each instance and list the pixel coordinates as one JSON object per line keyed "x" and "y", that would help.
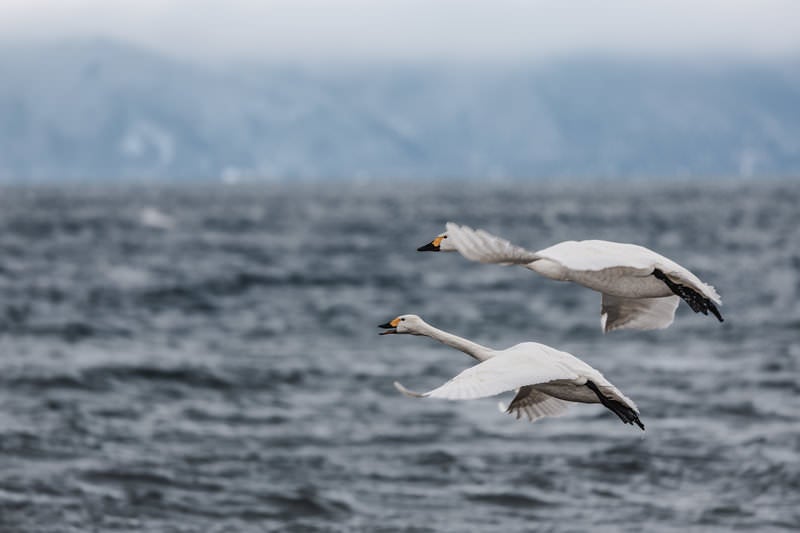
{"x": 390, "y": 327}
{"x": 432, "y": 246}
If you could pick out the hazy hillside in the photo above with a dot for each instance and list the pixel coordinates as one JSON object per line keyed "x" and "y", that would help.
{"x": 102, "y": 110}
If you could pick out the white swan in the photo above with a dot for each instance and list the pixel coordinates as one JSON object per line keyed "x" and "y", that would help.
{"x": 545, "y": 379}
{"x": 641, "y": 289}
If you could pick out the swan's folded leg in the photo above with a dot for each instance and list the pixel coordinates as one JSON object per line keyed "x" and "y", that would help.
{"x": 637, "y": 313}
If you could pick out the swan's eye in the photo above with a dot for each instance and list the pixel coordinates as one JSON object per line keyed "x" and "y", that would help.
{"x": 402, "y": 320}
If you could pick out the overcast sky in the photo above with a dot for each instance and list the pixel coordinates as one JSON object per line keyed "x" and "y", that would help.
{"x": 419, "y": 29}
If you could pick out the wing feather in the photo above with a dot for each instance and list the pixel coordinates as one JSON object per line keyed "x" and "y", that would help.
{"x": 534, "y": 404}
{"x": 595, "y": 255}
{"x": 637, "y": 313}
{"x": 682, "y": 276}
{"x": 509, "y": 370}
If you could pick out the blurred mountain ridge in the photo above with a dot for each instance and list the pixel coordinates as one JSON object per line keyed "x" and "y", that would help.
{"x": 105, "y": 110}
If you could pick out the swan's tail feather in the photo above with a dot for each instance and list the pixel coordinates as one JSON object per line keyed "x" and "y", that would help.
{"x": 407, "y": 392}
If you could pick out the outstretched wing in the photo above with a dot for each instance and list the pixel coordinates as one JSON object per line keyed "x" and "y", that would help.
{"x": 479, "y": 245}
{"x": 637, "y": 313}
{"x": 534, "y": 404}
{"x": 509, "y": 370}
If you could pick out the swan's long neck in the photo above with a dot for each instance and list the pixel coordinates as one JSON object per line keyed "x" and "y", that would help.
{"x": 481, "y": 353}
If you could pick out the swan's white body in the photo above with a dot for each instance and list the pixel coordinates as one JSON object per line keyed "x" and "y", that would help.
{"x": 545, "y": 379}
{"x": 633, "y": 297}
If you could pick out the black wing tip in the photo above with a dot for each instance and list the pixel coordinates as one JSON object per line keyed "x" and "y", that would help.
{"x": 695, "y": 300}
{"x": 628, "y": 415}
{"x": 715, "y": 311}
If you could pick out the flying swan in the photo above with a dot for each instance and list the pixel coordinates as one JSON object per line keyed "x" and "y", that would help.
{"x": 641, "y": 289}
{"x": 545, "y": 379}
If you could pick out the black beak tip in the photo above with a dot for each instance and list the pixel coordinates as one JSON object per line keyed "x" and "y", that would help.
{"x": 386, "y": 326}
{"x": 430, "y": 247}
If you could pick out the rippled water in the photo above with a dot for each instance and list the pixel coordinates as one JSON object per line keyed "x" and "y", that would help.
{"x": 208, "y": 360}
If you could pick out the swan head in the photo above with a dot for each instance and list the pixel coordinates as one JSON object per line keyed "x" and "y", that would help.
{"x": 439, "y": 244}
{"x": 407, "y": 324}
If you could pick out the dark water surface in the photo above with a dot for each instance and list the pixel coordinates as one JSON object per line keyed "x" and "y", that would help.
{"x": 208, "y": 360}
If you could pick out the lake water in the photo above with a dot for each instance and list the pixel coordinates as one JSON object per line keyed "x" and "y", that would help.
{"x": 207, "y": 359}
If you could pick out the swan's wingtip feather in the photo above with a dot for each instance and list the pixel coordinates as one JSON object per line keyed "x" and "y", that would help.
{"x": 407, "y": 392}
{"x": 715, "y": 297}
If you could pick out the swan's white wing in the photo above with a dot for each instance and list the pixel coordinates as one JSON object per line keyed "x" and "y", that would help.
{"x": 637, "y": 313}
{"x": 534, "y": 404}
{"x": 528, "y": 401}
{"x": 593, "y": 256}
{"x": 580, "y": 368}
{"x": 601, "y": 255}
{"x": 524, "y": 364}
{"x": 479, "y": 245}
